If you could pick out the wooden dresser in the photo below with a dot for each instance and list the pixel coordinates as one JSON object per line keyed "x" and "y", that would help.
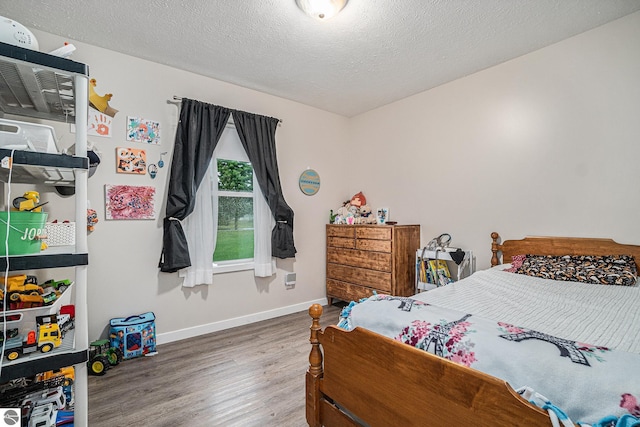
{"x": 362, "y": 259}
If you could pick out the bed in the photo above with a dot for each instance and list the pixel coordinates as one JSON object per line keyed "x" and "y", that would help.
{"x": 361, "y": 377}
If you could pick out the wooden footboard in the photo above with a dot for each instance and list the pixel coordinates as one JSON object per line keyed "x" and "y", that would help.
{"x": 361, "y": 377}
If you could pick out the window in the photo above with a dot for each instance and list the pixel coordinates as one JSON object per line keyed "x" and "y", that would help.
{"x": 235, "y": 211}
{"x": 233, "y": 182}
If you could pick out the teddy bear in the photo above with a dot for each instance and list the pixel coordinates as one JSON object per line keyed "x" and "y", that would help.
{"x": 343, "y": 211}
{"x": 366, "y": 216}
{"x": 365, "y": 210}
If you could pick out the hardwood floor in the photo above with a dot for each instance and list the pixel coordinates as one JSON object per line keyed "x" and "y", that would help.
{"x": 252, "y": 375}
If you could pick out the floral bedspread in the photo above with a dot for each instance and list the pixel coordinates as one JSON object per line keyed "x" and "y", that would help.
{"x": 587, "y": 382}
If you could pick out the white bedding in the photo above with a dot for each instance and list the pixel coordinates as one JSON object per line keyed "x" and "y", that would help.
{"x": 602, "y": 315}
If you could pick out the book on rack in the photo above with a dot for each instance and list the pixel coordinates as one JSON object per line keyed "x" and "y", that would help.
{"x": 439, "y": 272}
{"x": 423, "y": 271}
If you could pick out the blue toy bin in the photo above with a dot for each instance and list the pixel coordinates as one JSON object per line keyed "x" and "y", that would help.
{"x": 135, "y": 335}
{"x": 26, "y": 231}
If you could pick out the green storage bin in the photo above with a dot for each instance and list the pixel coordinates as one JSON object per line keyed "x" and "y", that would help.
{"x": 25, "y": 231}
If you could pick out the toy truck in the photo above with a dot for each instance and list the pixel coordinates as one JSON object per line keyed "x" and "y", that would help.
{"x": 26, "y": 301}
{"x": 53, "y": 395}
{"x": 66, "y": 318}
{"x": 20, "y": 345}
{"x": 45, "y": 338}
{"x": 22, "y": 285}
{"x": 63, "y": 376}
{"x": 102, "y": 356}
{"x": 49, "y": 331}
{"x": 43, "y": 416}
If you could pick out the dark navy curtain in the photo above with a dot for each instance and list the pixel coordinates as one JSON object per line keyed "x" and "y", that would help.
{"x": 197, "y": 135}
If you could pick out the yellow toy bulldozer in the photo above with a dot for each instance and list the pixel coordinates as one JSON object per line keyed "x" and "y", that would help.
{"x": 30, "y": 201}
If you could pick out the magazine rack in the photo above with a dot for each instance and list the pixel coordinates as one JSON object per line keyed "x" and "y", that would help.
{"x": 464, "y": 269}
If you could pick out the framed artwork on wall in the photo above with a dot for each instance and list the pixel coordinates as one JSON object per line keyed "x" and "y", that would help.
{"x": 143, "y": 130}
{"x": 131, "y": 160}
{"x": 130, "y": 202}
{"x": 98, "y": 124}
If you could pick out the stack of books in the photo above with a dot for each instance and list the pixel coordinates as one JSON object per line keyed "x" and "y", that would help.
{"x": 434, "y": 272}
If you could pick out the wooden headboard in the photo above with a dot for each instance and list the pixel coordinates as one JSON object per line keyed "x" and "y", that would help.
{"x": 559, "y": 246}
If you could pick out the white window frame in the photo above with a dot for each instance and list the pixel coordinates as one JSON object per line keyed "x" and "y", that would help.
{"x": 230, "y": 148}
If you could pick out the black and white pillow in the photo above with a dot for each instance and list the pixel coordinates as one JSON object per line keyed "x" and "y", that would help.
{"x": 602, "y": 270}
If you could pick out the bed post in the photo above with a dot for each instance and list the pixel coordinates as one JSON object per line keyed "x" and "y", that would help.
{"x": 495, "y": 247}
{"x": 314, "y": 373}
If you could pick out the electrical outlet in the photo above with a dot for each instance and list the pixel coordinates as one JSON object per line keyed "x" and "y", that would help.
{"x": 290, "y": 280}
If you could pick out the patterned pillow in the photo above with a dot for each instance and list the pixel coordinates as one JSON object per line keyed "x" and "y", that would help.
{"x": 603, "y": 270}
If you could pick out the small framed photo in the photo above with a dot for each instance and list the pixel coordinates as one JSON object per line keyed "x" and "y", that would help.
{"x": 382, "y": 215}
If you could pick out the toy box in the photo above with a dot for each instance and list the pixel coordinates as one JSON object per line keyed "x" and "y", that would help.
{"x": 25, "y": 231}
{"x": 21, "y": 135}
{"x": 134, "y": 335}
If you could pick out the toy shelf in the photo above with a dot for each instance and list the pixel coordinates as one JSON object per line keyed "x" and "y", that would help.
{"x": 28, "y": 318}
{"x": 43, "y": 86}
{"x": 37, "y": 84}
{"x": 42, "y": 168}
{"x": 51, "y": 260}
{"x": 25, "y": 366}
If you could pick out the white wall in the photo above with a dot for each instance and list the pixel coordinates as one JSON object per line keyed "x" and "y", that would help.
{"x": 123, "y": 275}
{"x": 545, "y": 144}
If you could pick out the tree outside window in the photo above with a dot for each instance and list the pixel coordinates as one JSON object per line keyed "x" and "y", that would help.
{"x": 235, "y": 211}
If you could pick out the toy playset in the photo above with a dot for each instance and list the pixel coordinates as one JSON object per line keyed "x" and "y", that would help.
{"x": 135, "y": 335}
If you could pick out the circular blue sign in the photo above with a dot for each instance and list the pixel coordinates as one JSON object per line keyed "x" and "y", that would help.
{"x": 309, "y": 182}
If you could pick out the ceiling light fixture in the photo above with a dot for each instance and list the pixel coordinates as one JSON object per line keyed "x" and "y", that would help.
{"x": 321, "y": 9}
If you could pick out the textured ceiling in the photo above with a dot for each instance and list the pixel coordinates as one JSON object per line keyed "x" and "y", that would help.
{"x": 373, "y": 53}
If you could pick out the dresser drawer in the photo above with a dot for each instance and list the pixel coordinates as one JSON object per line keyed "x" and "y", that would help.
{"x": 373, "y": 245}
{"x": 341, "y": 231}
{"x": 341, "y": 242}
{"x": 363, "y": 259}
{"x": 374, "y": 260}
{"x": 374, "y": 232}
{"x": 347, "y": 291}
{"x": 375, "y": 279}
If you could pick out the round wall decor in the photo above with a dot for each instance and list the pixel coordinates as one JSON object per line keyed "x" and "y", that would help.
{"x": 309, "y": 182}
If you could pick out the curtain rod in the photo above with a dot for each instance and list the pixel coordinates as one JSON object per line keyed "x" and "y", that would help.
{"x": 178, "y": 99}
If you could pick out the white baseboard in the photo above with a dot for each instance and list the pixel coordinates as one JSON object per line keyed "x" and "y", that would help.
{"x": 195, "y": 331}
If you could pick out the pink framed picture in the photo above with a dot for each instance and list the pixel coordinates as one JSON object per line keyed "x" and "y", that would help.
{"x": 130, "y": 202}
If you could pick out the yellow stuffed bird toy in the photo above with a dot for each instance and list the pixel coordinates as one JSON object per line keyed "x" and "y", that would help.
{"x": 100, "y": 102}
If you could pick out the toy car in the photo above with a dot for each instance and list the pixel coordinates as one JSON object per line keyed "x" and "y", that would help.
{"x": 58, "y": 285}
{"x": 49, "y": 297}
